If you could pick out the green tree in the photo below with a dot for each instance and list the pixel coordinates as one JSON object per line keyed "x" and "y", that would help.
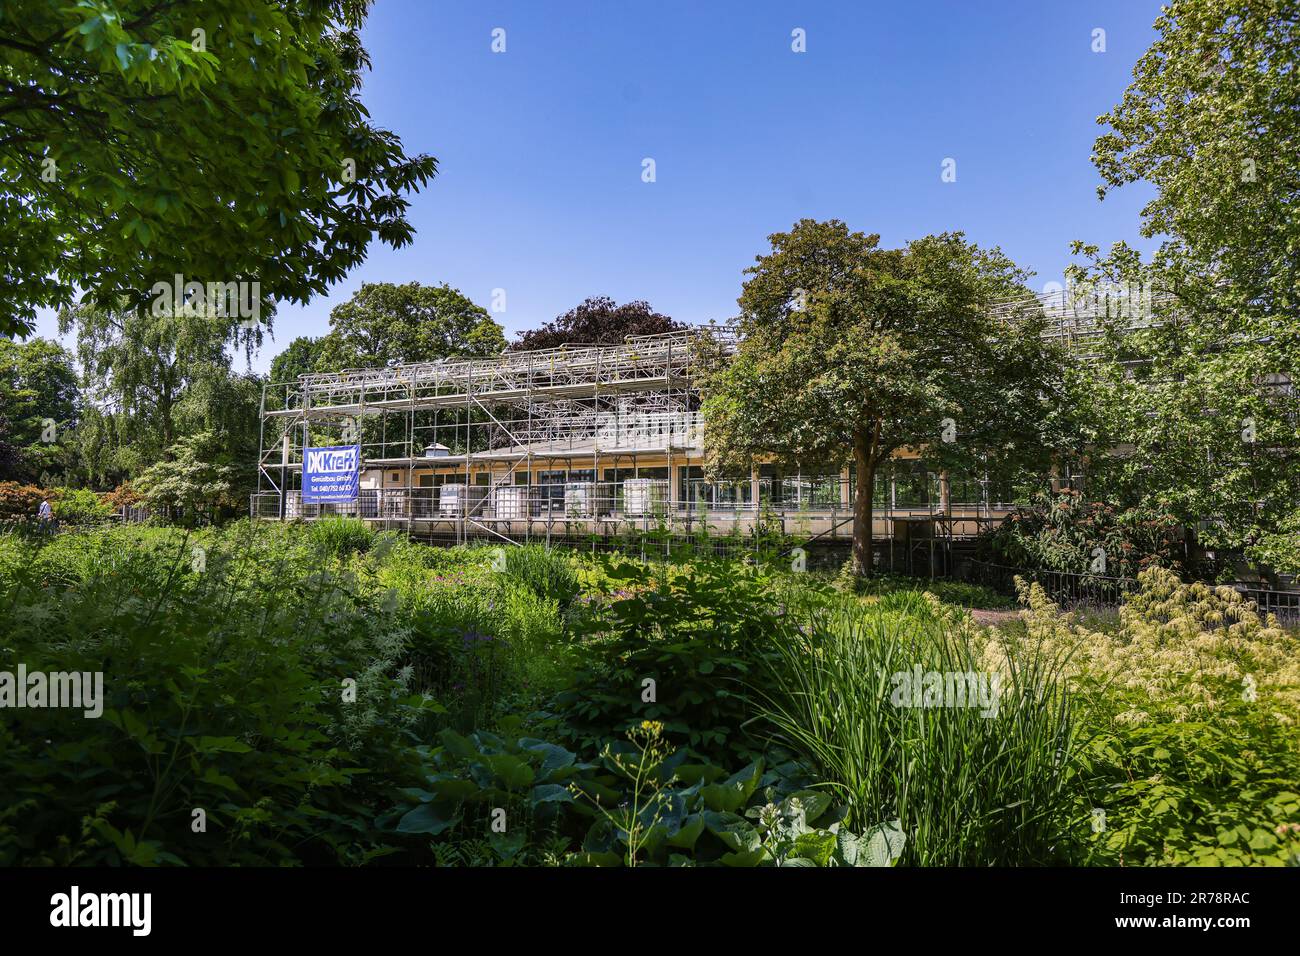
{"x": 849, "y": 352}
{"x": 226, "y": 406}
{"x": 1198, "y": 412}
{"x": 300, "y": 357}
{"x": 39, "y": 405}
{"x": 1212, "y": 120}
{"x": 221, "y": 140}
{"x": 138, "y": 363}
{"x": 597, "y": 321}
{"x": 385, "y": 323}
{"x": 195, "y": 479}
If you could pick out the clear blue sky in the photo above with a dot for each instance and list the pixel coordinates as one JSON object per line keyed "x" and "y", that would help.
{"x": 540, "y": 148}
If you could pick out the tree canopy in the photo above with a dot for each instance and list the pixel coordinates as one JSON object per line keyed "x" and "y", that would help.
{"x": 195, "y": 478}
{"x": 299, "y": 357}
{"x": 39, "y": 405}
{"x": 1212, "y": 120}
{"x": 597, "y": 321}
{"x": 218, "y": 140}
{"x": 850, "y": 353}
{"x": 385, "y": 323}
{"x": 1202, "y": 406}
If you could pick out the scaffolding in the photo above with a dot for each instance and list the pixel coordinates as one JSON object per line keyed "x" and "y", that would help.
{"x": 571, "y": 441}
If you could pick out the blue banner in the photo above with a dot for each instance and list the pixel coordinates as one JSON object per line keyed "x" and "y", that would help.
{"x": 331, "y": 474}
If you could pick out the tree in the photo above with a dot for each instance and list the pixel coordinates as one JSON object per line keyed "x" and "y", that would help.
{"x": 220, "y": 141}
{"x": 849, "y": 352}
{"x": 226, "y": 406}
{"x": 38, "y": 408}
{"x": 385, "y": 323}
{"x": 597, "y": 321}
{"x": 195, "y": 479}
{"x": 1202, "y": 406}
{"x": 300, "y": 357}
{"x": 1182, "y": 419}
{"x": 1212, "y": 120}
{"x": 138, "y": 363}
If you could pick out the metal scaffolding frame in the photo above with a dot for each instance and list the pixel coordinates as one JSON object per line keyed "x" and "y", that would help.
{"x": 490, "y": 423}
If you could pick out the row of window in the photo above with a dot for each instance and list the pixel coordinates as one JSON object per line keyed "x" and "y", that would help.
{"x": 900, "y": 486}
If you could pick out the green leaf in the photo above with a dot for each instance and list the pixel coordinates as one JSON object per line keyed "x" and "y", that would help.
{"x": 551, "y": 793}
{"x": 734, "y": 831}
{"x": 885, "y": 844}
{"x": 430, "y": 818}
{"x": 513, "y": 773}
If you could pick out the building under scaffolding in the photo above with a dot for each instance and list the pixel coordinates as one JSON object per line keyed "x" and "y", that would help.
{"x": 585, "y": 443}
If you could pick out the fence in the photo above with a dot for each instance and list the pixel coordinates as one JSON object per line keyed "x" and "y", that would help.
{"x": 1066, "y": 588}
{"x": 1074, "y": 590}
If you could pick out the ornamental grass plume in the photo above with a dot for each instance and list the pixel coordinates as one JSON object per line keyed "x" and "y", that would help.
{"x": 1180, "y": 648}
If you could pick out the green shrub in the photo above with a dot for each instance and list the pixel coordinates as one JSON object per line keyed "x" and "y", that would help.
{"x": 340, "y": 535}
{"x": 640, "y": 801}
{"x": 1190, "y": 704}
{"x": 80, "y": 506}
{"x": 1210, "y": 792}
{"x": 1061, "y": 532}
{"x": 680, "y": 644}
{"x": 224, "y": 693}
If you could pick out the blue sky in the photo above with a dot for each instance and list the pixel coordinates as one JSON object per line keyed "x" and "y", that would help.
{"x": 540, "y": 148}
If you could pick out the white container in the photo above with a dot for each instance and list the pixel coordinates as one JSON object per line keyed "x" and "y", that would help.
{"x": 452, "y": 499}
{"x": 642, "y": 496}
{"x": 510, "y": 501}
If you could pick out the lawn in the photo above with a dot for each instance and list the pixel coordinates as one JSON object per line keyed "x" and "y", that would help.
{"x": 323, "y": 694}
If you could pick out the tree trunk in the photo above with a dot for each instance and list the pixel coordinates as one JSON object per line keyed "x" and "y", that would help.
{"x": 865, "y": 464}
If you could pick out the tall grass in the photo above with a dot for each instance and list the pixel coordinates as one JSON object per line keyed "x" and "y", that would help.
{"x": 548, "y": 574}
{"x": 341, "y": 535}
{"x": 969, "y": 789}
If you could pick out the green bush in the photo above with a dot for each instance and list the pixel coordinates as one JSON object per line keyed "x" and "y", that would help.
{"x": 326, "y": 695}
{"x": 638, "y": 802}
{"x": 339, "y": 535}
{"x": 224, "y": 693}
{"x": 80, "y": 506}
{"x": 1062, "y": 532}
{"x": 681, "y": 644}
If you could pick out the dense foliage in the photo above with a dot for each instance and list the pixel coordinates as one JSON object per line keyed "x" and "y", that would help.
{"x": 873, "y": 351}
{"x": 115, "y": 174}
{"x": 384, "y": 324}
{"x": 1193, "y": 702}
{"x": 1067, "y": 532}
{"x": 597, "y": 321}
{"x": 1202, "y": 406}
{"x": 329, "y": 694}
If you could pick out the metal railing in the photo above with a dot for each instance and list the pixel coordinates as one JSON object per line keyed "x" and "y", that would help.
{"x": 1066, "y": 588}
{"x": 821, "y": 498}
{"x": 1074, "y": 590}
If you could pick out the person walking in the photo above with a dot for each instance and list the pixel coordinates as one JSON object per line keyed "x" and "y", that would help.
{"x": 45, "y": 516}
